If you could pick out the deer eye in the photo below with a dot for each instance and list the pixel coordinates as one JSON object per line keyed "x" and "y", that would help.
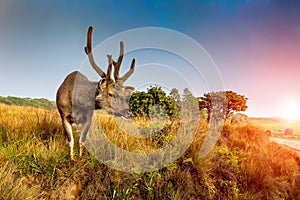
{"x": 110, "y": 94}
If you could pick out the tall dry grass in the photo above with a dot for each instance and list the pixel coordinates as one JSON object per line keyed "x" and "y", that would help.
{"x": 35, "y": 163}
{"x": 14, "y": 187}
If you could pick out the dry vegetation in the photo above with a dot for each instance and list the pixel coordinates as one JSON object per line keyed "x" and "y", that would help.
{"x": 35, "y": 164}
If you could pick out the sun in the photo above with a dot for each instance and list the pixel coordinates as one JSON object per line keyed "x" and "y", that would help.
{"x": 291, "y": 110}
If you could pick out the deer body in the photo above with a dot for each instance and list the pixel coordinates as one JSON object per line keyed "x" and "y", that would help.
{"x": 77, "y": 97}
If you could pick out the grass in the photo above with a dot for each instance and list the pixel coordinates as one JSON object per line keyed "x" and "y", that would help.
{"x": 244, "y": 164}
{"x": 13, "y": 187}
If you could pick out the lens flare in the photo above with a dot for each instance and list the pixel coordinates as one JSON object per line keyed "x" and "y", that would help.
{"x": 291, "y": 110}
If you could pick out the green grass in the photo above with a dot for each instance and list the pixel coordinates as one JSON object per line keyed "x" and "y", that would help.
{"x": 35, "y": 163}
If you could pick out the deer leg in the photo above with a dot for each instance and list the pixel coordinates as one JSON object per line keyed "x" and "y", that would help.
{"x": 85, "y": 129}
{"x": 68, "y": 131}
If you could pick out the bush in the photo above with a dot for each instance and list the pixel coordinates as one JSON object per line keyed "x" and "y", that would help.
{"x": 288, "y": 131}
{"x": 155, "y": 102}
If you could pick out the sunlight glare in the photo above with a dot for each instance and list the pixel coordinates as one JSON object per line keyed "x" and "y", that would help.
{"x": 291, "y": 111}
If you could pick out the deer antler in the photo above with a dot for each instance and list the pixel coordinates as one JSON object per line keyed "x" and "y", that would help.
{"x": 88, "y": 51}
{"x": 130, "y": 71}
{"x": 117, "y": 66}
{"x": 109, "y": 69}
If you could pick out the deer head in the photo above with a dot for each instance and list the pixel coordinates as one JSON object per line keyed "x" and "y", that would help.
{"x": 111, "y": 93}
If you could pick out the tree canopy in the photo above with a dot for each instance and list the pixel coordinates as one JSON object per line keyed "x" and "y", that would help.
{"x": 154, "y": 101}
{"x": 225, "y": 102}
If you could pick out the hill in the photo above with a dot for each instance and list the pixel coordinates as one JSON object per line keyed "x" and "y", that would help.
{"x": 278, "y": 127}
{"x": 35, "y": 102}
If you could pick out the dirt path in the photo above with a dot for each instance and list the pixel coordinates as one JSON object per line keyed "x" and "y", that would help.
{"x": 294, "y": 144}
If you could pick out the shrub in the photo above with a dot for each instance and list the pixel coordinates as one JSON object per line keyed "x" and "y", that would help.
{"x": 288, "y": 131}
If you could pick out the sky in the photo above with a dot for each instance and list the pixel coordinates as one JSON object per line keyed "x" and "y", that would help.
{"x": 255, "y": 44}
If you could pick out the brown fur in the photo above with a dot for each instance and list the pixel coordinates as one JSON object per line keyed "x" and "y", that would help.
{"x": 77, "y": 97}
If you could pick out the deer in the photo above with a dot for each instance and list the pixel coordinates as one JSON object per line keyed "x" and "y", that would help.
{"x": 78, "y": 97}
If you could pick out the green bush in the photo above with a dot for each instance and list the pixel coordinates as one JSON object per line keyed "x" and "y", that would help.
{"x": 155, "y": 103}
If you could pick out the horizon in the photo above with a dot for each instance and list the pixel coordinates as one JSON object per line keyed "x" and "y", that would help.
{"x": 254, "y": 45}
{"x": 286, "y": 119}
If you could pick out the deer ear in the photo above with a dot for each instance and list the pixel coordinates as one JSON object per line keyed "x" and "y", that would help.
{"x": 127, "y": 90}
{"x": 102, "y": 85}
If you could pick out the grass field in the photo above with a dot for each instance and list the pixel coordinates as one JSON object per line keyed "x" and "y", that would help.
{"x": 35, "y": 163}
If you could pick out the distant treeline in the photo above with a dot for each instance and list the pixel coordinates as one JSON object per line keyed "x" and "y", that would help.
{"x": 36, "y": 102}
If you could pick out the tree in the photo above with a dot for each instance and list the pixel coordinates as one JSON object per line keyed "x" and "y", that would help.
{"x": 176, "y": 97}
{"x": 39, "y": 103}
{"x": 155, "y": 101}
{"x": 190, "y": 103}
{"x": 224, "y": 103}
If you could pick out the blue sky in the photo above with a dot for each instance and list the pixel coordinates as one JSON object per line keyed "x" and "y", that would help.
{"x": 254, "y": 43}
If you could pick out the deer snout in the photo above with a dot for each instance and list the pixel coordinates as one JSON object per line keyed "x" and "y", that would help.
{"x": 127, "y": 114}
